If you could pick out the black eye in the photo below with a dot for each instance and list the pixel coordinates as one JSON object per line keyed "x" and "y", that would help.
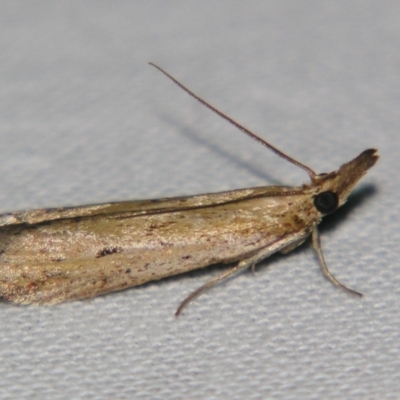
{"x": 326, "y": 202}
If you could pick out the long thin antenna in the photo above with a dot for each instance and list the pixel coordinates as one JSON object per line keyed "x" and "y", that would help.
{"x": 258, "y": 139}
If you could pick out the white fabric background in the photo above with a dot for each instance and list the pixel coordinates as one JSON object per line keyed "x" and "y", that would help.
{"x": 84, "y": 119}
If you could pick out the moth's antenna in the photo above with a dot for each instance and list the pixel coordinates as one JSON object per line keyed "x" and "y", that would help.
{"x": 257, "y": 138}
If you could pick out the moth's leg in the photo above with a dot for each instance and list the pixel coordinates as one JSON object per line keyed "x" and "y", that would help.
{"x": 241, "y": 266}
{"x": 316, "y": 243}
{"x": 244, "y": 264}
{"x": 292, "y": 246}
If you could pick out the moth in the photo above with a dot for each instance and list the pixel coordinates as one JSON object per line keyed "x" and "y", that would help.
{"x": 53, "y": 255}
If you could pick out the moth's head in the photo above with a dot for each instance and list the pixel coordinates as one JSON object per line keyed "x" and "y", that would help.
{"x": 335, "y": 187}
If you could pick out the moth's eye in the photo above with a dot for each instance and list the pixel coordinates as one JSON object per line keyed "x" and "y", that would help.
{"x": 326, "y": 202}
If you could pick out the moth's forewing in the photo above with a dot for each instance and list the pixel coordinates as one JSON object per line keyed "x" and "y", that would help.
{"x": 53, "y": 255}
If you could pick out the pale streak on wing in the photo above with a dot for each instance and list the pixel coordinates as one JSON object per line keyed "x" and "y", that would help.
{"x": 145, "y": 207}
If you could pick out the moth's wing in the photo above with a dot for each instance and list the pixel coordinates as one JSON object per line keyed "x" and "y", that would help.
{"x": 142, "y": 207}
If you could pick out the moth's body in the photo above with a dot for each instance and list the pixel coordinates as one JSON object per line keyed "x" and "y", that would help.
{"x": 49, "y": 258}
{"x": 54, "y": 255}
